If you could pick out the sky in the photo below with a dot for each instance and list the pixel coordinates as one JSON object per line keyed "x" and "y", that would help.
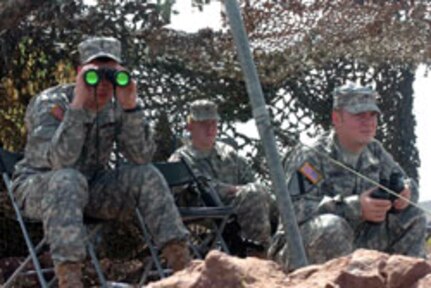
{"x": 421, "y": 109}
{"x": 191, "y": 19}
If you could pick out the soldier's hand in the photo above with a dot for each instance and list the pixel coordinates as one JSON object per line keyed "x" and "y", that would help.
{"x": 401, "y": 204}
{"x": 372, "y": 209}
{"x": 84, "y": 94}
{"x": 227, "y": 189}
{"x": 232, "y": 190}
{"x": 126, "y": 95}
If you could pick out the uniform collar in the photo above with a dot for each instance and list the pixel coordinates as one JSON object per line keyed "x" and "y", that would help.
{"x": 204, "y": 154}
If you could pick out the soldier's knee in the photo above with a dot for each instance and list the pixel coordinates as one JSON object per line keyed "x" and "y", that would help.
{"x": 69, "y": 181}
{"x": 148, "y": 177}
{"x": 149, "y": 173}
{"x": 333, "y": 225}
{"x": 256, "y": 195}
{"x": 328, "y": 237}
{"x": 410, "y": 217}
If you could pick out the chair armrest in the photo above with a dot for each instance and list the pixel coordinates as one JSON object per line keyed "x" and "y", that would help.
{"x": 191, "y": 213}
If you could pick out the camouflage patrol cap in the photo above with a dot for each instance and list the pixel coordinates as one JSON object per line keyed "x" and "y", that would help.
{"x": 355, "y": 99}
{"x": 97, "y": 47}
{"x": 201, "y": 110}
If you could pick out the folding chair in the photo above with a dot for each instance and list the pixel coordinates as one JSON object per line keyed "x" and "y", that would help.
{"x": 7, "y": 163}
{"x": 179, "y": 174}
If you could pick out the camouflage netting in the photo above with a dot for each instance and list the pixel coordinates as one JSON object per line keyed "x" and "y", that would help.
{"x": 302, "y": 49}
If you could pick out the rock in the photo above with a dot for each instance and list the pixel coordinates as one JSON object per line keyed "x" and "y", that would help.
{"x": 363, "y": 268}
{"x": 221, "y": 270}
{"x": 403, "y": 271}
{"x": 424, "y": 282}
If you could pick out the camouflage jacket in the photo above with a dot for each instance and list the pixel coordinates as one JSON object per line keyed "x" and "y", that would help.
{"x": 222, "y": 163}
{"x": 59, "y": 137}
{"x": 319, "y": 186}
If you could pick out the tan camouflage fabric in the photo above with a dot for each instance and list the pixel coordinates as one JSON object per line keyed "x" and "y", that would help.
{"x": 355, "y": 99}
{"x": 97, "y": 47}
{"x": 225, "y": 167}
{"x": 328, "y": 212}
{"x": 65, "y": 175}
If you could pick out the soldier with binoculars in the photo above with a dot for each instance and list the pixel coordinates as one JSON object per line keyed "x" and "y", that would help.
{"x": 64, "y": 176}
{"x": 96, "y": 81}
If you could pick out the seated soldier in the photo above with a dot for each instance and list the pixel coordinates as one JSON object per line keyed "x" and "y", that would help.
{"x": 338, "y": 211}
{"x": 230, "y": 175}
{"x": 65, "y": 175}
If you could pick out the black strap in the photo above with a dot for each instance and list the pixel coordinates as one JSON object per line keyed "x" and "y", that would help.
{"x": 300, "y": 182}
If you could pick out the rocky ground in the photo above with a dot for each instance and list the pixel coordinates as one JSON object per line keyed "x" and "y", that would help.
{"x": 363, "y": 268}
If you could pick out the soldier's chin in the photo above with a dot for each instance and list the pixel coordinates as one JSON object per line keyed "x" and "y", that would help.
{"x": 101, "y": 101}
{"x": 103, "y": 94}
{"x": 103, "y": 97}
{"x": 367, "y": 140}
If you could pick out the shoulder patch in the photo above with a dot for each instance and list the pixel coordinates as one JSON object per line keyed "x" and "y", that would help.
{"x": 57, "y": 112}
{"x": 310, "y": 172}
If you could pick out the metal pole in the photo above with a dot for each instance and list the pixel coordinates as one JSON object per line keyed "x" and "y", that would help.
{"x": 261, "y": 116}
{"x": 93, "y": 256}
{"x": 27, "y": 239}
{"x": 147, "y": 236}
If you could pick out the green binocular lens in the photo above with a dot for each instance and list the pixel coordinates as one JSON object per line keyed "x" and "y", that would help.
{"x": 93, "y": 77}
{"x": 122, "y": 78}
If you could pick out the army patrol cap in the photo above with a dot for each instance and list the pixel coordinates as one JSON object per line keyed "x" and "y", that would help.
{"x": 97, "y": 47}
{"x": 355, "y": 99}
{"x": 201, "y": 110}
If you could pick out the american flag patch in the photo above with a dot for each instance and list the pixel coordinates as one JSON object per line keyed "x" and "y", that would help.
{"x": 311, "y": 173}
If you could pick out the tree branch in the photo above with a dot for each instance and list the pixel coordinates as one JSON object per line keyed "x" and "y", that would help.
{"x": 13, "y": 11}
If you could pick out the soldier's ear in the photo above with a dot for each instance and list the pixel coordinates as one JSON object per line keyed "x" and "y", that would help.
{"x": 335, "y": 117}
{"x": 188, "y": 126}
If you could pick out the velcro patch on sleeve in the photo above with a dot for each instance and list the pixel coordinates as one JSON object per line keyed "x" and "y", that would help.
{"x": 310, "y": 172}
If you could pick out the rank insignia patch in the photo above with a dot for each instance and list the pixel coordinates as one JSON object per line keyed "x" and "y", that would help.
{"x": 310, "y": 172}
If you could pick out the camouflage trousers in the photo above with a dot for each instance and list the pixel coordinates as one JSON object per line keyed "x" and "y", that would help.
{"x": 328, "y": 236}
{"x": 61, "y": 199}
{"x": 252, "y": 208}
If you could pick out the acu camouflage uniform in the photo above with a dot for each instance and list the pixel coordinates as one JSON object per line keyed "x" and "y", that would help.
{"x": 65, "y": 173}
{"x": 224, "y": 167}
{"x": 326, "y": 201}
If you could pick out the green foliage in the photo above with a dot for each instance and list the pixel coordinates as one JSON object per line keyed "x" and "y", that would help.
{"x": 302, "y": 49}
{"x": 299, "y": 62}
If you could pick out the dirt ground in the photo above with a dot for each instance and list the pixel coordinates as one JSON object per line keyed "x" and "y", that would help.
{"x": 126, "y": 271}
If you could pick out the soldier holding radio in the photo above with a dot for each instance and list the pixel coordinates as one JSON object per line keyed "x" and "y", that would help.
{"x": 338, "y": 211}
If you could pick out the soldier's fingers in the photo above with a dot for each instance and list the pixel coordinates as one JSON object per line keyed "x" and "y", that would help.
{"x": 380, "y": 216}
{"x": 369, "y": 191}
{"x": 406, "y": 193}
{"x": 400, "y": 204}
{"x": 382, "y": 204}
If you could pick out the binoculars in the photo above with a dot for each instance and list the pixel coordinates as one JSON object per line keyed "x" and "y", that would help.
{"x": 92, "y": 77}
{"x": 395, "y": 183}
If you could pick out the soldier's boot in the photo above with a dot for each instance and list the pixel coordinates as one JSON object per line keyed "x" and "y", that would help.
{"x": 177, "y": 255}
{"x": 257, "y": 250}
{"x": 69, "y": 275}
{"x": 258, "y": 254}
